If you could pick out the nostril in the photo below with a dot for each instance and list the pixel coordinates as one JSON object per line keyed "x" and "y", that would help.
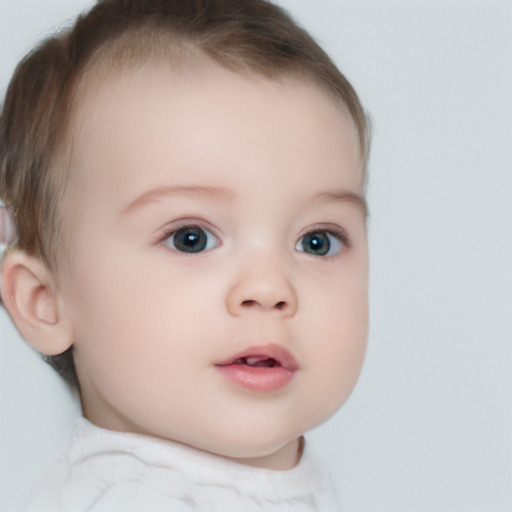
{"x": 249, "y": 303}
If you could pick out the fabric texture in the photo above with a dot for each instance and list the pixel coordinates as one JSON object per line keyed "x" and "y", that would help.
{"x": 107, "y": 471}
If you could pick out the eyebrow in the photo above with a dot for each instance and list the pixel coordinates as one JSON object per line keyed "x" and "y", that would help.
{"x": 219, "y": 193}
{"x": 343, "y": 196}
{"x": 156, "y": 193}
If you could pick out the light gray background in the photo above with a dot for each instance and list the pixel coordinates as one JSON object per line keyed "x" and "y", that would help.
{"x": 429, "y": 426}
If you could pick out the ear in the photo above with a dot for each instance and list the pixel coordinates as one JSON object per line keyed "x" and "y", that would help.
{"x": 30, "y": 295}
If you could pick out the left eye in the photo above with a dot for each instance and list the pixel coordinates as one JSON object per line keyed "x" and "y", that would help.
{"x": 320, "y": 243}
{"x": 191, "y": 239}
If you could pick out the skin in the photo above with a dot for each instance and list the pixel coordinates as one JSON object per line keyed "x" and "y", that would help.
{"x": 8, "y": 230}
{"x": 149, "y": 322}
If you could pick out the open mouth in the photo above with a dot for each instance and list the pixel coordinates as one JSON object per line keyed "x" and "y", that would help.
{"x": 264, "y": 369}
{"x": 267, "y": 356}
{"x": 258, "y": 362}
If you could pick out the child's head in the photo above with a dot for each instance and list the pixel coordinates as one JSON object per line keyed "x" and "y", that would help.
{"x": 188, "y": 179}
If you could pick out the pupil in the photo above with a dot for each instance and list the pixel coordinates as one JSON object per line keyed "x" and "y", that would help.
{"x": 316, "y": 243}
{"x": 191, "y": 239}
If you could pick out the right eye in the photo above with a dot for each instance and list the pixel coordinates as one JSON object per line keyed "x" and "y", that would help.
{"x": 191, "y": 239}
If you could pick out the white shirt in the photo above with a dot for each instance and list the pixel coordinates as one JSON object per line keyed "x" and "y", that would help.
{"x": 107, "y": 471}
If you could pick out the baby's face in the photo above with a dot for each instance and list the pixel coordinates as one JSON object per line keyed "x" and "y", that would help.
{"x": 218, "y": 275}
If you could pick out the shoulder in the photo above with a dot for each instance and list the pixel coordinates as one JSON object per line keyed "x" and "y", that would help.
{"x": 104, "y": 471}
{"x": 126, "y": 496}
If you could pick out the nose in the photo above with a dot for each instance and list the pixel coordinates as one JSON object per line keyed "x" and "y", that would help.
{"x": 261, "y": 288}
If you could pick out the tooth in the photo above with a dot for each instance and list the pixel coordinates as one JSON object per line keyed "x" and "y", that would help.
{"x": 261, "y": 362}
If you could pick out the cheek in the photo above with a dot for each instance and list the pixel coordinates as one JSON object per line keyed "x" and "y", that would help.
{"x": 340, "y": 338}
{"x": 127, "y": 310}
{"x": 337, "y": 337}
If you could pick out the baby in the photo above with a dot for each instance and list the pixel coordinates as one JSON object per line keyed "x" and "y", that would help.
{"x": 188, "y": 180}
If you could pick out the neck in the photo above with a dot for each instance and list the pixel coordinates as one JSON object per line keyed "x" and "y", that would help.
{"x": 285, "y": 458}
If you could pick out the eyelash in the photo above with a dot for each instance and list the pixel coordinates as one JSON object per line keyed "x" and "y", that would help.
{"x": 171, "y": 232}
{"x": 338, "y": 234}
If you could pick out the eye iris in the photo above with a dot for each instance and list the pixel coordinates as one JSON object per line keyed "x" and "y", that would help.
{"x": 316, "y": 243}
{"x": 190, "y": 239}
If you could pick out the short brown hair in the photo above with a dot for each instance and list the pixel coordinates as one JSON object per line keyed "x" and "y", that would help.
{"x": 36, "y": 118}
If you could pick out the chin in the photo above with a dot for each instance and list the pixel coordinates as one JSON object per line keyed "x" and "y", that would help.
{"x": 252, "y": 443}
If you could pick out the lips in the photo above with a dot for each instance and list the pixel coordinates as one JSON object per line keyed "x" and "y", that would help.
{"x": 264, "y": 356}
{"x": 260, "y": 368}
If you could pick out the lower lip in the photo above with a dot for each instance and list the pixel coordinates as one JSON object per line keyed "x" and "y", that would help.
{"x": 264, "y": 380}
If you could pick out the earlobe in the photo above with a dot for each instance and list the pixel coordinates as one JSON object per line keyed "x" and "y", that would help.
{"x": 30, "y": 296}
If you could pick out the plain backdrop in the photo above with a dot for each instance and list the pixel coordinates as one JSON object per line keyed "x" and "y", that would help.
{"x": 429, "y": 426}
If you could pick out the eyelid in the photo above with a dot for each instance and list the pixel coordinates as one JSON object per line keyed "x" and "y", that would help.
{"x": 172, "y": 227}
{"x": 336, "y": 231}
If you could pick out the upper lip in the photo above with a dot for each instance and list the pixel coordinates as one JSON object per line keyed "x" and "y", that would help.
{"x": 271, "y": 351}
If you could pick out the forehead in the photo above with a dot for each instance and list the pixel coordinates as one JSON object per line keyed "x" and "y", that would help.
{"x": 162, "y": 119}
